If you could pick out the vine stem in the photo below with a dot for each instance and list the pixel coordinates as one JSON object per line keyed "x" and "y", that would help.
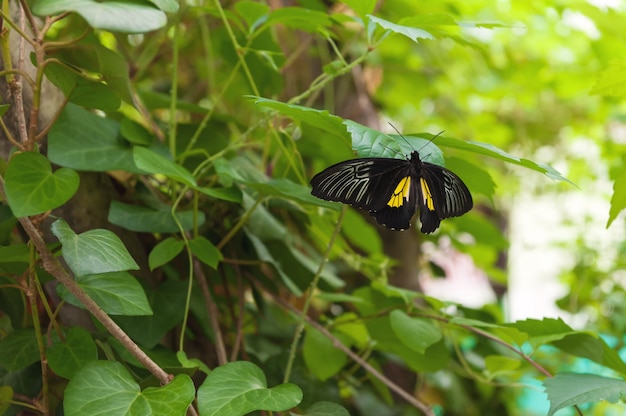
{"x": 309, "y": 298}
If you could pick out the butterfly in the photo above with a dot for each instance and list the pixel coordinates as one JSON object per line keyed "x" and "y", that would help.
{"x": 391, "y": 190}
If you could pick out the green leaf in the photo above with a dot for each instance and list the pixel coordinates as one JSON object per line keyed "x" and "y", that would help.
{"x": 94, "y": 251}
{"x": 496, "y": 153}
{"x": 152, "y": 162}
{"x": 165, "y": 251}
{"x": 67, "y": 357}
{"x": 325, "y": 409}
{"x": 321, "y": 119}
{"x": 115, "y": 16}
{"x": 301, "y": 19}
{"x": 372, "y": 143}
{"x": 618, "y": 199}
{"x": 82, "y": 91}
{"x": 593, "y": 347}
{"x": 117, "y": 293}
{"x": 143, "y": 219}
{"x": 612, "y": 81}
{"x": 19, "y": 350}
{"x": 84, "y": 141}
{"x": 205, "y": 251}
{"x": 239, "y": 387}
{"x": 569, "y": 389}
{"x": 416, "y": 333}
{"x": 252, "y": 12}
{"x": 320, "y": 355}
{"x": 412, "y": 33}
{"x": 498, "y": 365}
{"x": 32, "y": 188}
{"x": 107, "y": 388}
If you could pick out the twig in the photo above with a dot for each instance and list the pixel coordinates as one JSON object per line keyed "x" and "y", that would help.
{"x": 339, "y": 345}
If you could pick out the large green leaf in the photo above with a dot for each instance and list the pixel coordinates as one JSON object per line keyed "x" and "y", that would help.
{"x": 490, "y": 150}
{"x": 240, "y": 387}
{"x": 117, "y": 293}
{"x": 569, "y": 389}
{"x": 368, "y": 142}
{"x": 85, "y": 141}
{"x": 32, "y": 188}
{"x": 321, "y": 119}
{"x": 94, "y": 251}
{"x": 116, "y": 16}
{"x": 107, "y": 388}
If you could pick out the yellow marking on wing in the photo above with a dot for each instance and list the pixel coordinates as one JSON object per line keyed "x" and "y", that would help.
{"x": 428, "y": 196}
{"x": 400, "y": 193}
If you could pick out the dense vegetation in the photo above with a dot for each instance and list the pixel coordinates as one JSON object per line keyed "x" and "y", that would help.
{"x": 161, "y": 253}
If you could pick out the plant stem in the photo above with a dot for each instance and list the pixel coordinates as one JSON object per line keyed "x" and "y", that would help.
{"x": 310, "y": 296}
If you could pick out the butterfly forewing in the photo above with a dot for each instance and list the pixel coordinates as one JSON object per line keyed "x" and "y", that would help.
{"x": 360, "y": 182}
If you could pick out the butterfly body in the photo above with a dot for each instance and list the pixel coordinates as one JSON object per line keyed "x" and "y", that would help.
{"x": 392, "y": 190}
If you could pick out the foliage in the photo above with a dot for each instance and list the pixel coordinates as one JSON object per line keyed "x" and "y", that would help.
{"x": 214, "y": 282}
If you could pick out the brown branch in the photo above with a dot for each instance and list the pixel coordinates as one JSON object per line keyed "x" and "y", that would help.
{"x": 52, "y": 266}
{"x": 356, "y": 358}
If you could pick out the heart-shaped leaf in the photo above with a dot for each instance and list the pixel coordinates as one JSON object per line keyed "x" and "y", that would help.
{"x": 107, "y": 388}
{"x": 239, "y": 388}
{"x": 117, "y": 293}
{"x": 32, "y": 187}
{"x": 94, "y": 251}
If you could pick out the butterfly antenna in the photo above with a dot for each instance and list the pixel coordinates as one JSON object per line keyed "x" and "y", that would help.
{"x": 409, "y": 143}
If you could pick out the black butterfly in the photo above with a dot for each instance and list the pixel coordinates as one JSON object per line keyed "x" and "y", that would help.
{"x": 392, "y": 189}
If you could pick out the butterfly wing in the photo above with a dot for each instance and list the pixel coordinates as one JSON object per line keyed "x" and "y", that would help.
{"x": 442, "y": 194}
{"x": 366, "y": 183}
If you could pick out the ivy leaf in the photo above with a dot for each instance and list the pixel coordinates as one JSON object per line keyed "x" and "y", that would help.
{"x": 32, "y": 187}
{"x": 240, "y": 387}
{"x": 117, "y": 293}
{"x": 107, "y": 388}
{"x": 94, "y": 251}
